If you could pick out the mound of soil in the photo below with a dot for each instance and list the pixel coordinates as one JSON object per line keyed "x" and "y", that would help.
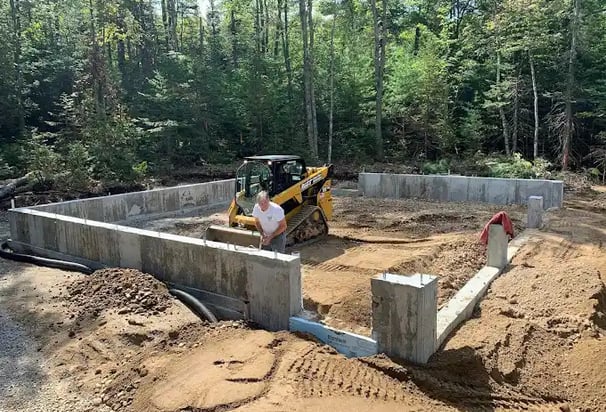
{"x": 124, "y": 290}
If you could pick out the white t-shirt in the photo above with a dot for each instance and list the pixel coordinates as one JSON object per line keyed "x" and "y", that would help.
{"x": 270, "y": 219}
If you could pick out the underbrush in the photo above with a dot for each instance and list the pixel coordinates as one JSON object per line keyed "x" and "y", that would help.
{"x": 492, "y": 166}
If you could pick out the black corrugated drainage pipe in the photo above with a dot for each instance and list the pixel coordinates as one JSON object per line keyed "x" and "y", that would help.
{"x": 194, "y": 304}
{"x": 7, "y": 253}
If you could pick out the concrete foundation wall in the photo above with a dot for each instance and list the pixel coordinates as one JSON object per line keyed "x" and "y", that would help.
{"x": 269, "y": 284}
{"x": 146, "y": 204}
{"x": 461, "y": 188}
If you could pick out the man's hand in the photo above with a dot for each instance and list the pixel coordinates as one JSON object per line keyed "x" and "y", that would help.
{"x": 266, "y": 240}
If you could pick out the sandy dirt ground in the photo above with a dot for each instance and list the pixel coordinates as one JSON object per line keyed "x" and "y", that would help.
{"x": 536, "y": 342}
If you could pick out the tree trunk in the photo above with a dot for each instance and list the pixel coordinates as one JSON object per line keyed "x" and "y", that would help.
{"x": 16, "y": 18}
{"x": 121, "y": 52}
{"x": 307, "y": 80}
{"x": 171, "y": 10}
{"x": 312, "y": 91}
{"x": 110, "y": 57}
{"x": 201, "y": 33}
{"x": 286, "y": 47}
{"x": 234, "y": 40}
{"x": 516, "y": 109}
{"x": 182, "y": 29}
{"x": 278, "y": 32}
{"x": 501, "y": 108}
{"x": 568, "y": 129}
{"x": 122, "y": 61}
{"x": 146, "y": 47}
{"x": 379, "y": 63}
{"x": 95, "y": 64}
{"x": 213, "y": 19}
{"x": 258, "y": 26}
{"x": 535, "y": 143}
{"x": 165, "y": 23}
{"x": 261, "y": 14}
{"x": 332, "y": 87}
{"x": 10, "y": 187}
{"x": 415, "y": 49}
{"x": 152, "y": 23}
{"x": 266, "y": 26}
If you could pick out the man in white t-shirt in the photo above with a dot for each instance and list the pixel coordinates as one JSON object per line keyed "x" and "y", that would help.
{"x": 271, "y": 223}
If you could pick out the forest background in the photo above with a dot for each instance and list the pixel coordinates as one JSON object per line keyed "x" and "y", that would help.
{"x": 106, "y": 92}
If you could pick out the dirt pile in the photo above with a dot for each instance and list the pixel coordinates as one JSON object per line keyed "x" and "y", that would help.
{"x": 124, "y": 290}
{"x": 542, "y": 327}
{"x": 456, "y": 263}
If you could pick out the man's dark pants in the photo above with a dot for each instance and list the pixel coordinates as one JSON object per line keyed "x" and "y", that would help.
{"x": 277, "y": 244}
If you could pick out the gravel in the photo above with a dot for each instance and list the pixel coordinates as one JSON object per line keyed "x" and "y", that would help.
{"x": 25, "y": 384}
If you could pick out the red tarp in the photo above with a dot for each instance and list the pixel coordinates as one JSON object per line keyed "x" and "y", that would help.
{"x": 500, "y": 218}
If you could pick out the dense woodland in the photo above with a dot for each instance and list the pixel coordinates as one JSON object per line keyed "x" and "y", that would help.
{"x": 118, "y": 89}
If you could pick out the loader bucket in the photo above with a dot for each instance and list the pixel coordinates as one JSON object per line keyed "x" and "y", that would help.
{"x": 234, "y": 236}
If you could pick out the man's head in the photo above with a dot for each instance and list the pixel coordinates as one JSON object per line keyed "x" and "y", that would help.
{"x": 263, "y": 200}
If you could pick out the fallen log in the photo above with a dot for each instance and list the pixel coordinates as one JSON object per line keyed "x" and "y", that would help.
{"x": 9, "y": 189}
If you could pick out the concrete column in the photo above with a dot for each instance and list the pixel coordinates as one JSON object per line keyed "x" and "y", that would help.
{"x": 497, "y": 247}
{"x": 535, "y": 212}
{"x": 404, "y": 315}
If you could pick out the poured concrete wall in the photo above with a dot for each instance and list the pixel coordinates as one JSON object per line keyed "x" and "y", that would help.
{"x": 146, "y": 204}
{"x": 461, "y": 188}
{"x": 268, "y": 284}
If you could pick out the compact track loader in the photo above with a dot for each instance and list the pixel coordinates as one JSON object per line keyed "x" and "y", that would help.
{"x": 303, "y": 192}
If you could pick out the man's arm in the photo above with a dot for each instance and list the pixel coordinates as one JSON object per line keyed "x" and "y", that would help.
{"x": 281, "y": 228}
{"x": 257, "y": 221}
{"x": 281, "y": 225}
{"x": 259, "y": 227}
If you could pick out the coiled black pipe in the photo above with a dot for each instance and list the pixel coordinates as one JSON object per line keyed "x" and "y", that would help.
{"x": 194, "y": 304}
{"x": 7, "y": 253}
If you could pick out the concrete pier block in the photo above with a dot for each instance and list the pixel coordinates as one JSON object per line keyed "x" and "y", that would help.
{"x": 274, "y": 290}
{"x": 535, "y": 212}
{"x": 404, "y": 315}
{"x": 497, "y": 247}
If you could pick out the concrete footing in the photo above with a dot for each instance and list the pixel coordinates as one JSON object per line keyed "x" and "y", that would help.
{"x": 535, "y": 212}
{"x": 404, "y": 315}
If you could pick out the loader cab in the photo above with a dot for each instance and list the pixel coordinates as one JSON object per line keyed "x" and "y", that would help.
{"x": 274, "y": 174}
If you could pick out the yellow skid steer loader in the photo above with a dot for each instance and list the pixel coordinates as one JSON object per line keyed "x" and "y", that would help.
{"x": 303, "y": 192}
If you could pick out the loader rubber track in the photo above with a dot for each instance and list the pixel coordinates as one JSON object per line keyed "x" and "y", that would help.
{"x": 309, "y": 225}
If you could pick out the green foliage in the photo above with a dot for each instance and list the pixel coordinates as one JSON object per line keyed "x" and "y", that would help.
{"x": 491, "y": 166}
{"x": 140, "y": 170}
{"x": 41, "y": 158}
{"x": 111, "y": 147}
{"x": 113, "y": 91}
{"x": 517, "y": 167}
{"x": 417, "y": 94}
{"x": 6, "y": 171}
{"x": 439, "y": 167}
{"x": 77, "y": 167}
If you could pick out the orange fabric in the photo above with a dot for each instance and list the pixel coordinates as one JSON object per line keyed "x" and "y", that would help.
{"x": 500, "y": 218}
